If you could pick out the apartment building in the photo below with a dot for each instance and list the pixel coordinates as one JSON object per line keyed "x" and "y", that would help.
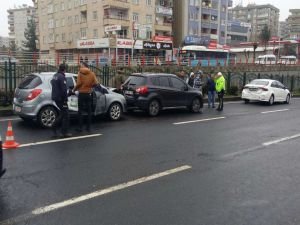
{"x": 294, "y": 24}
{"x": 17, "y": 23}
{"x": 114, "y": 27}
{"x": 4, "y": 42}
{"x": 284, "y": 32}
{"x": 200, "y": 21}
{"x": 238, "y": 32}
{"x": 258, "y": 16}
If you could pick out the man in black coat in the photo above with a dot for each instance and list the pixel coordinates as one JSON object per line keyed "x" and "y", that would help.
{"x": 60, "y": 97}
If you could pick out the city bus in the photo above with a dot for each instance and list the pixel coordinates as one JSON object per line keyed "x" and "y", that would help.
{"x": 194, "y": 55}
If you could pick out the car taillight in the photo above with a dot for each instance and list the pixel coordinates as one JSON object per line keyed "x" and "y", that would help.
{"x": 33, "y": 94}
{"x": 264, "y": 88}
{"x": 142, "y": 90}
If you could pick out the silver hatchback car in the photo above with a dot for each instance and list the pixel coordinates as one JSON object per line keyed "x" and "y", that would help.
{"x": 32, "y": 100}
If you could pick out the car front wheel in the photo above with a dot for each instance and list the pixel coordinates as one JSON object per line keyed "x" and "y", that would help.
{"x": 153, "y": 108}
{"x": 115, "y": 111}
{"x": 271, "y": 100}
{"x": 288, "y": 98}
{"x": 47, "y": 116}
{"x": 196, "y": 105}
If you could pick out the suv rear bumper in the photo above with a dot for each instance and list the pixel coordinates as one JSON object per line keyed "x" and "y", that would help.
{"x": 140, "y": 103}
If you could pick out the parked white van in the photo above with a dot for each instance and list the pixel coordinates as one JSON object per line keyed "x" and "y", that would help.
{"x": 266, "y": 59}
{"x": 288, "y": 60}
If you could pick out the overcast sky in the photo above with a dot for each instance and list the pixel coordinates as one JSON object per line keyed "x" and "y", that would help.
{"x": 283, "y": 5}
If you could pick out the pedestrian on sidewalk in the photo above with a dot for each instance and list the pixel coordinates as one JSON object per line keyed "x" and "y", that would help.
{"x": 86, "y": 79}
{"x": 211, "y": 91}
{"x": 59, "y": 95}
{"x": 220, "y": 89}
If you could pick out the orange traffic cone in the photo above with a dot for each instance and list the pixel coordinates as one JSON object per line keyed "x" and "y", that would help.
{"x": 10, "y": 140}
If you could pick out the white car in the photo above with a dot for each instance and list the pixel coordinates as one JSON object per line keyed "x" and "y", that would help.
{"x": 266, "y": 90}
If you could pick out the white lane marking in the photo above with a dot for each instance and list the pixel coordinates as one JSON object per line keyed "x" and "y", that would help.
{"x": 197, "y": 121}
{"x": 281, "y": 140}
{"x": 75, "y": 200}
{"x": 280, "y": 110}
{"x": 7, "y": 119}
{"x": 60, "y": 140}
{"x": 259, "y": 147}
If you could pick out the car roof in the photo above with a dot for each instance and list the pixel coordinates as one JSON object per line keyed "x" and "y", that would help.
{"x": 265, "y": 80}
{"x": 149, "y": 74}
{"x": 45, "y": 74}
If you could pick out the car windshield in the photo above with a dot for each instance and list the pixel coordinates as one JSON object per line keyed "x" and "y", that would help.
{"x": 136, "y": 81}
{"x": 260, "y": 82}
{"x": 30, "y": 82}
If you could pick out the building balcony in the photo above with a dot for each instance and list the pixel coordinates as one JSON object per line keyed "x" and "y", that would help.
{"x": 163, "y": 27}
{"x": 119, "y": 20}
{"x": 83, "y": 8}
{"x": 163, "y": 10}
{"x": 117, "y": 4}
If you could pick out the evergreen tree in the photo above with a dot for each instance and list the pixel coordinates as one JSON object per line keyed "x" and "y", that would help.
{"x": 30, "y": 35}
{"x": 265, "y": 36}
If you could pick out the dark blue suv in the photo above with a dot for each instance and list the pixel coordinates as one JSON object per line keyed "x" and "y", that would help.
{"x": 153, "y": 92}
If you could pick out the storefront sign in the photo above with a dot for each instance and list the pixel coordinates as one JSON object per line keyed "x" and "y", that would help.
{"x": 157, "y": 45}
{"x": 127, "y": 43}
{"x": 196, "y": 40}
{"x": 162, "y": 39}
{"x": 112, "y": 28}
{"x": 93, "y": 43}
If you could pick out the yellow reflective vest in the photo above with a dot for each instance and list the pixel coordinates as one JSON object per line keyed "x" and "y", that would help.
{"x": 220, "y": 83}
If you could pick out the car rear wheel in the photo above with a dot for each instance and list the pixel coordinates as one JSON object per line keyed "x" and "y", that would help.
{"x": 115, "y": 111}
{"x": 154, "y": 107}
{"x": 288, "y": 98}
{"x": 271, "y": 100}
{"x": 196, "y": 105}
{"x": 246, "y": 101}
{"x": 47, "y": 116}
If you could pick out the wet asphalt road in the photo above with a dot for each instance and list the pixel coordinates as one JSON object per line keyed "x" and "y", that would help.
{"x": 240, "y": 166}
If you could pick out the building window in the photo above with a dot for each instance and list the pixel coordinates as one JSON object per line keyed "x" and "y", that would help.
{"x": 83, "y": 17}
{"x": 70, "y": 37}
{"x": 136, "y": 2}
{"x": 95, "y": 33}
{"x": 50, "y": 23}
{"x": 57, "y": 38}
{"x": 70, "y": 20}
{"x": 82, "y": 2}
{"x": 83, "y": 33}
{"x": 44, "y": 39}
{"x": 95, "y": 15}
{"x": 63, "y": 22}
{"x": 63, "y": 37}
{"x": 50, "y": 8}
{"x": 149, "y": 34}
{"x": 148, "y": 2}
{"x": 51, "y": 38}
{"x": 76, "y": 3}
{"x": 62, "y": 6}
{"x": 56, "y": 23}
{"x": 135, "y": 17}
{"x": 70, "y": 4}
{"x": 135, "y": 34}
{"x": 149, "y": 19}
{"x": 76, "y": 19}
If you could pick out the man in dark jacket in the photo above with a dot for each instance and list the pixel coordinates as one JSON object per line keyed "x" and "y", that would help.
{"x": 60, "y": 97}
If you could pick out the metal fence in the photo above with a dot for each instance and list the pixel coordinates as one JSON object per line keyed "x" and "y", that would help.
{"x": 11, "y": 74}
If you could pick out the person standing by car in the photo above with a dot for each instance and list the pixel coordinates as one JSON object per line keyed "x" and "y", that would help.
{"x": 211, "y": 90}
{"x": 220, "y": 89}
{"x": 198, "y": 82}
{"x": 59, "y": 95}
{"x": 190, "y": 80}
{"x": 85, "y": 81}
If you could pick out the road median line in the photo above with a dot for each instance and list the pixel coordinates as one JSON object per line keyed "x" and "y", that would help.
{"x": 198, "y": 121}
{"x": 59, "y": 140}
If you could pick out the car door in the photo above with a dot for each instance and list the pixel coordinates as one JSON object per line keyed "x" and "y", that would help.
{"x": 99, "y": 100}
{"x": 165, "y": 91}
{"x": 72, "y": 99}
{"x": 179, "y": 92}
{"x": 282, "y": 91}
{"x": 276, "y": 90}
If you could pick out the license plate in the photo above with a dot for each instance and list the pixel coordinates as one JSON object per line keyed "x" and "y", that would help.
{"x": 129, "y": 92}
{"x": 17, "y": 109}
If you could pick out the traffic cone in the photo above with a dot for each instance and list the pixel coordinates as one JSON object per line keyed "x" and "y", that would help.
{"x": 10, "y": 140}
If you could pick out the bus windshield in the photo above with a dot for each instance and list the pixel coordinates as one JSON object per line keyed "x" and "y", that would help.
{"x": 202, "y": 56}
